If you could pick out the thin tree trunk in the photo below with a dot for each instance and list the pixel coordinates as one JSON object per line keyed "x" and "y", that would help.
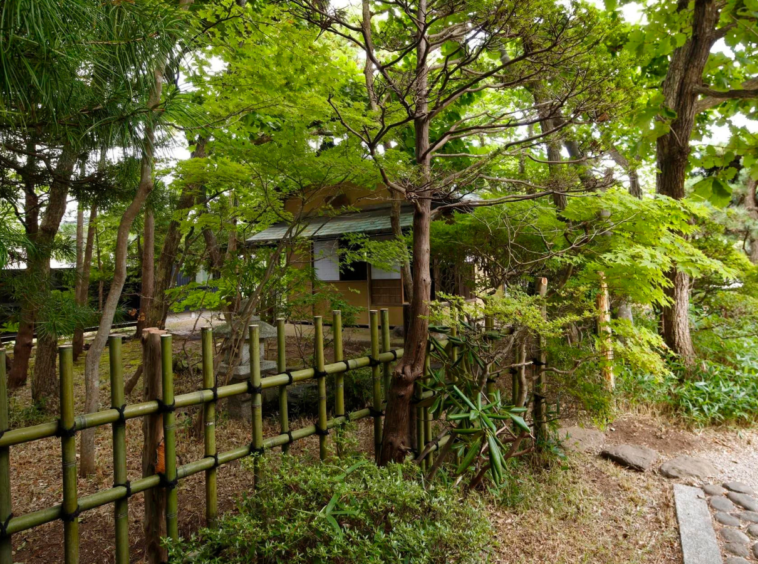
{"x": 22, "y": 349}
{"x": 45, "y": 377}
{"x": 752, "y": 209}
{"x": 396, "y": 442}
{"x": 170, "y": 249}
{"x": 82, "y": 295}
{"x": 148, "y": 270}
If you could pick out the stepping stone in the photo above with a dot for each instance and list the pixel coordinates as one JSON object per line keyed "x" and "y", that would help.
{"x": 688, "y": 467}
{"x": 749, "y": 503}
{"x": 734, "y": 535}
{"x": 738, "y": 549}
{"x": 755, "y": 550}
{"x": 713, "y": 489}
{"x": 739, "y": 487}
{"x": 720, "y": 503}
{"x": 736, "y": 560}
{"x": 632, "y": 456}
{"x": 752, "y": 530}
{"x": 750, "y": 516}
{"x": 579, "y": 439}
{"x": 726, "y": 519}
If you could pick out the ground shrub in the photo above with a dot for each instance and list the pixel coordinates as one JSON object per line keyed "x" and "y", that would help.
{"x": 346, "y": 512}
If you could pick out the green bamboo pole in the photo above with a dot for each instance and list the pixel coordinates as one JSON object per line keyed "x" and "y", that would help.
{"x": 6, "y": 545}
{"x": 169, "y": 438}
{"x": 321, "y": 372}
{"x": 339, "y": 379}
{"x": 281, "y": 366}
{"x": 256, "y": 401}
{"x": 68, "y": 448}
{"x": 377, "y": 381}
{"x": 339, "y": 356}
{"x": 385, "y": 348}
{"x": 209, "y": 417}
{"x": 120, "y": 477}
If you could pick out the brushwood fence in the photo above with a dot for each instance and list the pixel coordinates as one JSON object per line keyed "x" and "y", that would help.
{"x": 69, "y": 424}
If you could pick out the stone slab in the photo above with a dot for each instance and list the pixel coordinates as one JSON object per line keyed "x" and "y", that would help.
{"x": 699, "y": 544}
{"x": 632, "y": 456}
{"x": 688, "y": 467}
{"x": 581, "y": 439}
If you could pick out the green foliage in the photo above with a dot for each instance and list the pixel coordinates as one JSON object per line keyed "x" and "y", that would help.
{"x": 348, "y": 511}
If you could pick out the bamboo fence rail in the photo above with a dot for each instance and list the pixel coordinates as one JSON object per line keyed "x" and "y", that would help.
{"x": 70, "y": 424}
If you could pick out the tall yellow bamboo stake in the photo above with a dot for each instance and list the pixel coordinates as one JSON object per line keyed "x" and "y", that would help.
{"x": 540, "y": 386}
{"x": 256, "y": 401}
{"x": 604, "y": 331}
{"x": 169, "y": 438}
{"x": 321, "y": 428}
{"x": 6, "y": 552}
{"x": 209, "y": 417}
{"x": 376, "y": 378}
{"x": 120, "y": 476}
{"x": 70, "y": 507}
{"x": 339, "y": 379}
{"x": 385, "y": 348}
{"x": 281, "y": 366}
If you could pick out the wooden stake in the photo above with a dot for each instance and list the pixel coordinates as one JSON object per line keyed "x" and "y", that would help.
{"x": 540, "y": 386}
{"x": 256, "y": 402}
{"x": 6, "y": 546}
{"x": 377, "y": 381}
{"x": 386, "y": 367}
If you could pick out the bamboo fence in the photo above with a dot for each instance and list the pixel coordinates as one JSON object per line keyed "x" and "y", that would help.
{"x": 70, "y": 424}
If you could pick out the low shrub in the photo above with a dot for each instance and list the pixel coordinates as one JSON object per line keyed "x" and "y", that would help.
{"x": 345, "y": 512}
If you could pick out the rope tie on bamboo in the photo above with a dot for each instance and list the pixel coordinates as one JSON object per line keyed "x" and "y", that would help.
{"x": 318, "y": 374}
{"x": 394, "y": 355}
{"x": 255, "y": 450}
{"x": 70, "y": 517}
{"x": 121, "y": 416}
{"x": 65, "y": 433}
{"x": 127, "y": 485}
{"x": 289, "y": 374}
{"x": 254, "y": 389}
{"x": 372, "y": 362}
{"x": 290, "y": 438}
{"x": 4, "y": 526}
{"x": 166, "y": 407}
{"x": 538, "y": 362}
{"x": 214, "y": 391}
{"x": 322, "y": 432}
{"x": 166, "y": 483}
{"x": 491, "y": 380}
{"x": 215, "y": 460}
{"x": 375, "y": 412}
{"x": 513, "y": 370}
{"x": 539, "y": 396}
{"x": 345, "y": 362}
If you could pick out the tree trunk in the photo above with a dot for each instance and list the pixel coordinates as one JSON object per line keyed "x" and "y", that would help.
{"x": 752, "y": 209}
{"x": 79, "y": 267}
{"x": 405, "y": 267}
{"x": 148, "y": 270}
{"x": 684, "y": 75}
{"x": 171, "y": 242}
{"x": 22, "y": 349}
{"x": 45, "y": 377}
{"x": 92, "y": 363}
{"x": 82, "y": 295}
{"x": 154, "y": 522}
{"x": 396, "y": 441}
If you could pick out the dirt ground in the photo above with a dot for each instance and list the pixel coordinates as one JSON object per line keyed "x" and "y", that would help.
{"x": 578, "y": 510}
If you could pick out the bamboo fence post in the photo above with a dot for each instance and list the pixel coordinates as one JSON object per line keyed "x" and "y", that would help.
{"x": 120, "y": 476}
{"x": 376, "y": 404}
{"x": 256, "y": 401}
{"x": 386, "y": 348}
{"x": 6, "y": 545}
{"x": 70, "y": 509}
{"x": 169, "y": 437}
{"x": 489, "y": 323}
{"x": 281, "y": 366}
{"x": 321, "y": 429}
{"x": 604, "y": 331}
{"x": 154, "y": 523}
{"x": 339, "y": 379}
{"x": 209, "y": 434}
{"x": 540, "y": 386}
